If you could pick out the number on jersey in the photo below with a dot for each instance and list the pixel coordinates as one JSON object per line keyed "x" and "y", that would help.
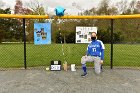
{"x": 94, "y": 49}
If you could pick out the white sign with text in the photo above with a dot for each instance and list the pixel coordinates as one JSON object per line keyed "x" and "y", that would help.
{"x": 83, "y": 34}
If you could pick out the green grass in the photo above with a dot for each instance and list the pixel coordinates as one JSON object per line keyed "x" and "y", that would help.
{"x": 127, "y": 55}
{"x": 41, "y": 55}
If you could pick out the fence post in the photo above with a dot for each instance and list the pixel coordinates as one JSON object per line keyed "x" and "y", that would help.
{"x": 24, "y": 38}
{"x": 111, "y": 53}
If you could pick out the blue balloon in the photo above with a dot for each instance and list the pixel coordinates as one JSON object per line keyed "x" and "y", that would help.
{"x": 59, "y": 11}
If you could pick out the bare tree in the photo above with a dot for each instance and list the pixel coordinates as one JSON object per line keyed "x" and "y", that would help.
{"x": 138, "y": 6}
{"x": 122, "y": 6}
{"x": 36, "y": 7}
{"x": 112, "y": 10}
{"x": 132, "y": 6}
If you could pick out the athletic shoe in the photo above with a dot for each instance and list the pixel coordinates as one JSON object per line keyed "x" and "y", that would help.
{"x": 84, "y": 74}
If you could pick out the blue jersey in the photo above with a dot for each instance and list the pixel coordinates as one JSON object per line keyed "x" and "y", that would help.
{"x": 96, "y": 48}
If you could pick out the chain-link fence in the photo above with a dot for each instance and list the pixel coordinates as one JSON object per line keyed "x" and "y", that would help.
{"x": 125, "y": 50}
{"x": 11, "y": 43}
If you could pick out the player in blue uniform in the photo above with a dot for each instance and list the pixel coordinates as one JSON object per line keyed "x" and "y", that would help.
{"x": 95, "y": 53}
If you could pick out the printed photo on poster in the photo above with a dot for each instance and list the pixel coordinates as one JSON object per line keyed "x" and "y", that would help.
{"x": 42, "y": 33}
{"x": 83, "y": 34}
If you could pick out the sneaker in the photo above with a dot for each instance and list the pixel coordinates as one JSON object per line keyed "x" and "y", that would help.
{"x": 101, "y": 67}
{"x": 84, "y": 74}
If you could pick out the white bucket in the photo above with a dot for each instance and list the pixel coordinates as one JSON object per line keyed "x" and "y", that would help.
{"x": 73, "y": 67}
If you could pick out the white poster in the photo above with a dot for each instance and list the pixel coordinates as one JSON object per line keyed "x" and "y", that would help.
{"x": 83, "y": 34}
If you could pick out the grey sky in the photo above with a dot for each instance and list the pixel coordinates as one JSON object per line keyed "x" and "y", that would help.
{"x": 80, "y": 5}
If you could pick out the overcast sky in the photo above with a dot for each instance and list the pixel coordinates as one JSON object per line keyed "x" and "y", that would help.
{"x": 71, "y": 6}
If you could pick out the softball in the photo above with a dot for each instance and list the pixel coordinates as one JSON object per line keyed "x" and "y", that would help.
{"x": 47, "y": 68}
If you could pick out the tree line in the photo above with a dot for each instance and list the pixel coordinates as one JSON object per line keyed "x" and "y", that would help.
{"x": 125, "y": 30}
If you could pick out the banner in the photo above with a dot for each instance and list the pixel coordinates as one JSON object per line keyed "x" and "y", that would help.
{"x": 42, "y": 33}
{"x": 83, "y": 34}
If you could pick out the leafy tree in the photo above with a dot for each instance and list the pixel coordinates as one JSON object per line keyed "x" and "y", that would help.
{"x": 19, "y": 9}
{"x": 7, "y": 29}
{"x": 70, "y": 38}
{"x": 103, "y": 7}
{"x": 59, "y": 37}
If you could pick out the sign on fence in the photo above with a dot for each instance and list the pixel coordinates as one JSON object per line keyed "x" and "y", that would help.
{"x": 42, "y": 33}
{"x": 83, "y": 34}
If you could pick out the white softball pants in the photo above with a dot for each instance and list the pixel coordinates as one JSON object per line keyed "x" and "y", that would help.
{"x": 96, "y": 60}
